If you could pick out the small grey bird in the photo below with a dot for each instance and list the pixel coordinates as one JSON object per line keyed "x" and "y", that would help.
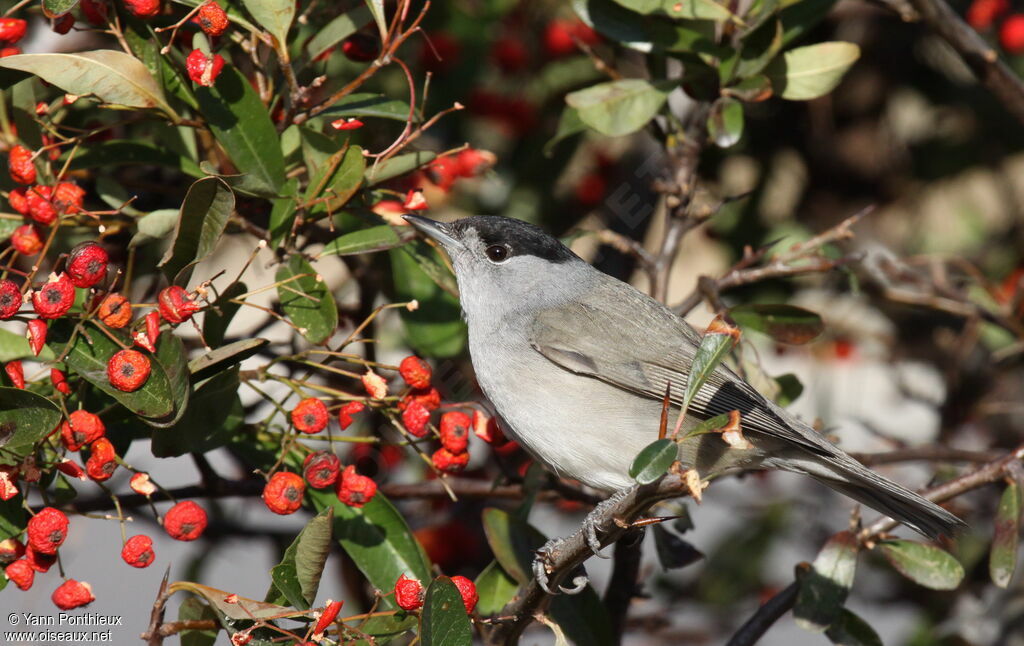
{"x": 577, "y": 364}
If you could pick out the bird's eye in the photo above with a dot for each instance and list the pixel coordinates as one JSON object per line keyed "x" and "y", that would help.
{"x": 496, "y": 252}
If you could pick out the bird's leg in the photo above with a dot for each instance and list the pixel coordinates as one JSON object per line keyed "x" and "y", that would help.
{"x": 593, "y": 519}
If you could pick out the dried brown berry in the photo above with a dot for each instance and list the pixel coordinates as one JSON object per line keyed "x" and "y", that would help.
{"x": 115, "y": 311}
{"x": 16, "y": 373}
{"x": 321, "y": 469}
{"x": 47, "y": 530}
{"x": 185, "y": 521}
{"x": 467, "y": 589}
{"x": 19, "y": 160}
{"x": 143, "y": 8}
{"x": 455, "y": 431}
{"x": 408, "y": 593}
{"x": 202, "y": 69}
{"x": 72, "y": 594}
{"x": 212, "y": 19}
{"x": 310, "y": 415}
{"x": 55, "y": 298}
{"x": 449, "y": 462}
{"x": 355, "y": 490}
{"x": 35, "y": 331}
{"x": 12, "y": 30}
{"x": 284, "y": 492}
{"x": 415, "y": 418}
{"x": 347, "y": 411}
{"x": 10, "y": 299}
{"x": 21, "y": 574}
{"x": 102, "y": 460}
{"x": 26, "y": 240}
{"x": 87, "y": 264}
{"x": 127, "y": 370}
{"x": 138, "y": 551}
{"x": 176, "y": 305}
{"x": 415, "y": 371}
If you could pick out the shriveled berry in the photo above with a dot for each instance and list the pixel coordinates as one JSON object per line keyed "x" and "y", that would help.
{"x": 147, "y": 337}
{"x": 102, "y": 460}
{"x": 81, "y": 429}
{"x": 36, "y": 331}
{"x": 185, "y": 521}
{"x": 212, "y": 19}
{"x": 26, "y": 240}
{"x": 408, "y": 593}
{"x": 8, "y": 482}
{"x": 39, "y": 561}
{"x": 138, "y": 551}
{"x": 347, "y": 124}
{"x": 11, "y": 549}
{"x": 72, "y": 594}
{"x": 176, "y": 304}
{"x": 360, "y": 47}
{"x": 443, "y": 172}
{"x": 12, "y": 30}
{"x": 347, "y": 411}
{"x": 127, "y": 370}
{"x": 141, "y": 484}
{"x": 375, "y": 385}
{"x": 310, "y": 415}
{"x": 10, "y": 299}
{"x": 40, "y": 205}
{"x": 284, "y": 492}
{"x": 455, "y": 427}
{"x": 327, "y": 617}
{"x": 486, "y": 428}
{"x": 449, "y": 462}
{"x": 87, "y": 264}
{"x": 16, "y": 373}
{"x": 429, "y": 397}
{"x": 415, "y": 418}
{"x": 321, "y": 469}
{"x": 55, "y": 298}
{"x": 353, "y": 489}
{"x": 19, "y": 161}
{"x": 68, "y": 197}
{"x": 115, "y": 311}
{"x": 18, "y": 200}
{"x": 202, "y": 69}
{"x": 467, "y": 589}
{"x": 21, "y": 574}
{"x": 415, "y": 371}
{"x": 143, "y": 8}
{"x": 71, "y": 468}
{"x": 60, "y": 381}
{"x": 47, "y": 530}
{"x": 94, "y": 11}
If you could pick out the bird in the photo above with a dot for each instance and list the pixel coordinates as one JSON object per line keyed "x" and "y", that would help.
{"x": 577, "y": 364}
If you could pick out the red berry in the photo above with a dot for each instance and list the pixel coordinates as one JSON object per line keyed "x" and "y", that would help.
{"x": 176, "y": 304}
{"x": 982, "y": 14}
{"x": 510, "y": 54}
{"x": 55, "y": 298}
{"x": 10, "y": 299}
{"x": 415, "y": 371}
{"x": 68, "y": 197}
{"x": 355, "y": 490}
{"x": 443, "y": 172}
{"x": 95, "y": 11}
{"x": 374, "y": 384}
{"x": 185, "y": 521}
{"x": 430, "y": 398}
{"x": 19, "y": 161}
{"x": 26, "y": 240}
{"x": 347, "y": 124}
{"x": 473, "y": 162}
{"x": 59, "y": 381}
{"x": 310, "y": 415}
{"x": 468, "y": 591}
{"x": 449, "y": 462}
{"x": 327, "y": 617}
{"x": 321, "y": 469}
{"x": 15, "y": 373}
{"x": 143, "y": 8}
{"x": 8, "y": 482}
{"x": 455, "y": 431}
{"x": 141, "y": 484}
{"x": 69, "y": 468}
{"x": 40, "y": 206}
{"x": 360, "y": 47}
{"x": 127, "y": 370}
{"x": 486, "y": 428}
{"x": 1011, "y": 34}
{"x": 558, "y": 40}
{"x": 408, "y": 593}
{"x": 347, "y": 411}
{"x": 87, "y": 264}
{"x": 147, "y": 338}
{"x": 415, "y": 418}
{"x": 202, "y": 69}
{"x": 47, "y": 530}
{"x": 284, "y": 492}
{"x": 36, "y": 333}
{"x": 138, "y": 551}
{"x": 102, "y": 460}
{"x": 212, "y": 19}
{"x": 115, "y": 311}
{"x": 11, "y": 31}
{"x": 21, "y": 574}
{"x": 18, "y": 201}
{"x": 72, "y": 594}
{"x": 414, "y": 201}
{"x": 590, "y": 189}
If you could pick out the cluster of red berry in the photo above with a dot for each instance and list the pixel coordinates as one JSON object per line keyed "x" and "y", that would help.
{"x": 409, "y": 593}
{"x": 985, "y": 15}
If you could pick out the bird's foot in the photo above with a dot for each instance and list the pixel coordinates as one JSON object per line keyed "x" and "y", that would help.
{"x": 543, "y": 563}
{"x": 591, "y": 522}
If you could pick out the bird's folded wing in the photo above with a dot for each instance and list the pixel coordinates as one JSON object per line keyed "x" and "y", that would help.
{"x": 640, "y": 346}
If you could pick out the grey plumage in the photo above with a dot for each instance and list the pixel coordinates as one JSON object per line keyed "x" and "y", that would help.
{"x": 577, "y": 364}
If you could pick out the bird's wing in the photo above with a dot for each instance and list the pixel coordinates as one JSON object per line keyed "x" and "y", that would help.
{"x": 638, "y": 345}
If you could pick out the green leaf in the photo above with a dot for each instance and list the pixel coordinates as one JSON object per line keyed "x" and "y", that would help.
{"x": 15, "y": 346}
{"x": 649, "y": 33}
{"x": 244, "y": 183}
{"x": 808, "y": 72}
{"x": 824, "y": 588}
{"x": 112, "y": 76}
{"x": 282, "y": 214}
{"x": 154, "y": 226}
{"x": 495, "y": 588}
{"x": 759, "y": 48}
{"x": 653, "y": 461}
{"x": 242, "y": 125}
{"x": 25, "y": 418}
{"x": 673, "y": 551}
{"x": 297, "y": 577}
{"x": 12, "y": 518}
{"x": 89, "y": 355}
{"x": 790, "y": 389}
{"x": 172, "y": 356}
{"x": 712, "y": 350}
{"x": 376, "y": 7}
{"x": 752, "y": 90}
{"x": 705, "y": 9}
{"x": 377, "y": 539}
{"x": 436, "y": 328}
{"x": 337, "y": 181}
{"x": 619, "y": 107}
{"x": 444, "y": 621}
{"x": 1003, "y": 558}
{"x": 306, "y": 300}
{"x": 851, "y": 630}
{"x": 223, "y": 357}
{"x": 23, "y": 100}
{"x": 204, "y": 215}
{"x": 798, "y": 18}
{"x": 134, "y": 153}
{"x": 217, "y": 318}
{"x": 337, "y": 30}
{"x": 725, "y": 122}
{"x": 379, "y": 238}
{"x": 397, "y": 166}
{"x": 208, "y": 421}
{"x": 56, "y": 8}
{"x": 367, "y": 104}
{"x": 569, "y": 124}
{"x": 242, "y": 610}
{"x": 923, "y": 564}
{"x": 192, "y": 609}
{"x": 273, "y": 15}
{"x": 784, "y": 323}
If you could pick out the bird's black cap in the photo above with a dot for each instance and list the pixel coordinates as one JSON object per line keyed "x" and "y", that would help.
{"x": 521, "y": 238}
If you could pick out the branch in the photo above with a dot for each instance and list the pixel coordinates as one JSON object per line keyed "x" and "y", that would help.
{"x": 769, "y": 612}
{"x": 930, "y": 453}
{"x": 622, "y": 586}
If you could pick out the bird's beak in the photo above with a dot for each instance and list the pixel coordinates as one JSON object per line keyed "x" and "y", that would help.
{"x": 433, "y": 229}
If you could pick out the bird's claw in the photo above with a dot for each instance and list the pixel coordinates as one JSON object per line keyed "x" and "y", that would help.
{"x": 541, "y": 564}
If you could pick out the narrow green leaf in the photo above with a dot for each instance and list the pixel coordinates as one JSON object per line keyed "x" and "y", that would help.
{"x": 653, "y": 461}
{"x": 25, "y": 418}
{"x": 366, "y": 104}
{"x": 203, "y": 217}
{"x": 212, "y": 415}
{"x": 155, "y": 226}
{"x": 704, "y": 9}
{"x": 119, "y": 152}
{"x": 784, "y": 323}
{"x": 851, "y": 630}
{"x": 297, "y": 577}
{"x": 824, "y": 588}
{"x": 337, "y": 181}
{"x": 376, "y": 8}
{"x": 620, "y": 107}
{"x": 923, "y": 564}
{"x": 223, "y": 357}
{"x": 798, "y": 18}
{"x": 569, "y": 124}
{"x": 495, "y": 587}
{"x": 306, "y": 300}
{"x": 714, "y": 346}
{"x": 725, "y": 122}
{"x": 23, "y": 100}
{"x": 56, "y": 8}
{"x": 283, "y": 213}
{"x": 241, "y": 610}
{"x": 172, "y": 356}
{"x": 217, "y": 318}
{"x": 436, "y": 328}
{"x": 15, "y": 346}
{"x": 337, "y": 30}
{"x": 379, "y": 238}
{"x": 790, "y": 389}
{"x": 273, "y": 15}
{"x": 808, "y": 72}
{"x": 1003, "y": 558}
{"x": 444, "y": 621}
{"x": 397, "y": 166}
{"x": 12, "y": 518}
